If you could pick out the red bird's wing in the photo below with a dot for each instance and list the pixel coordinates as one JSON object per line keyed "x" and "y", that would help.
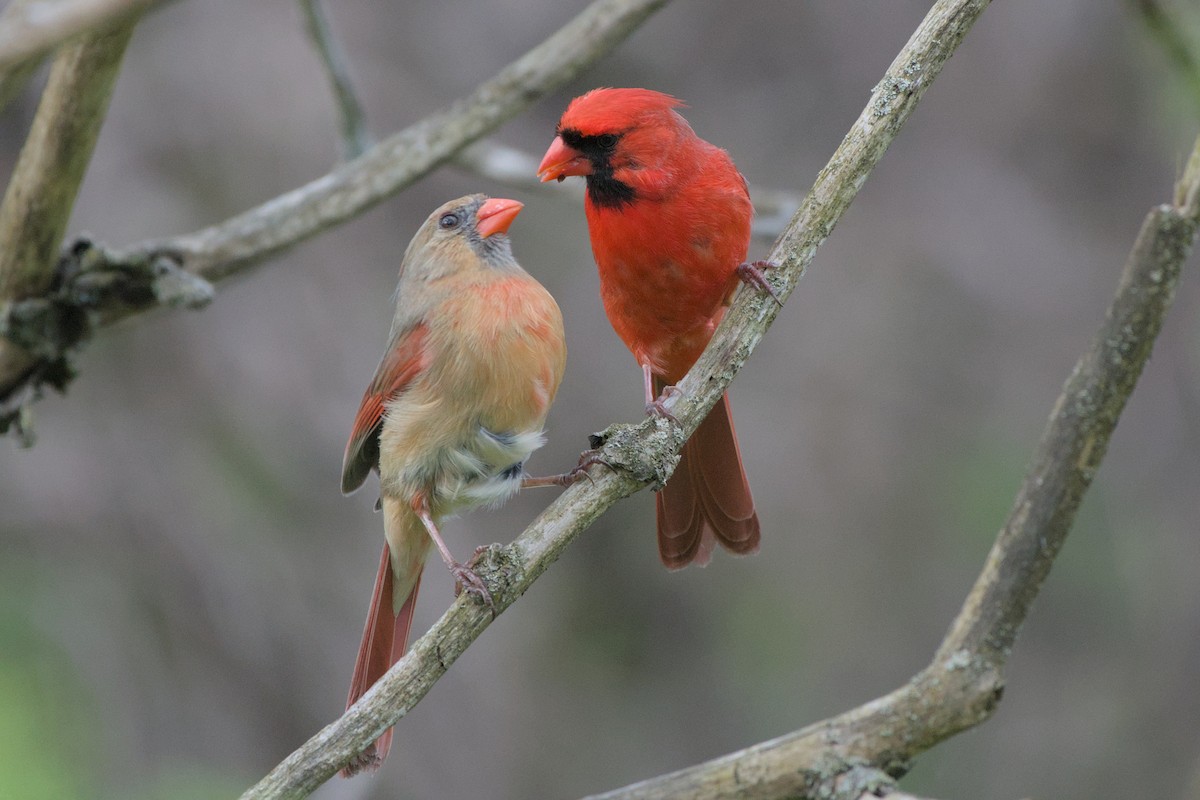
{"x": 401, "y": 363}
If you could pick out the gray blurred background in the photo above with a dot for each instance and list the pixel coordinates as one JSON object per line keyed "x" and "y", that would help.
{"x": 182, "y": 587}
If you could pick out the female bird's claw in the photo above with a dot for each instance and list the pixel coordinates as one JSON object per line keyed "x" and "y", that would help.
{"x": 752, "y": 274}
{"x": 658, "y": 408}
{"x": 468, "y": 580}
{"x": 588, "y": 458}
{"x": 572, "y": 476}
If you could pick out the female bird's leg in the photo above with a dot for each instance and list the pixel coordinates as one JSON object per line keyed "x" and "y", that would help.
{"x": 751, "y": 274}
{"x": 464, "y": 576}
{"x": 586, "y": 459}
{"x": 657, "y": 406}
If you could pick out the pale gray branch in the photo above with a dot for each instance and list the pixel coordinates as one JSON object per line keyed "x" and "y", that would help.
{"x": 646, "y": 453}
{"x": 38, "y": 26}
{"x": 355, "y": 136}
{"x": 37, "y": 203}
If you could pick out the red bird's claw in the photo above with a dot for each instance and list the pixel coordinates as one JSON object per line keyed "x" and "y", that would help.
{"x": 367, "y": 759}
{"x": 753, "y": 274}
{"x": 467, "y": 579}
{"x": 658, "y": 408}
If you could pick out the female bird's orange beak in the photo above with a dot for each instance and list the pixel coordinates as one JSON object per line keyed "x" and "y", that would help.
{"x": 495, "y": 215}
{"x": 562, "y": 161}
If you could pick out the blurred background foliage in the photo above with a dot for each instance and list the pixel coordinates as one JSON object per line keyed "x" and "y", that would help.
{"x": 182, "y": 587}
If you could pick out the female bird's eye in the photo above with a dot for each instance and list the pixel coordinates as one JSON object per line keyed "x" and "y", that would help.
{"x": 607, "y": 141}
{"x": 448, "y": 221}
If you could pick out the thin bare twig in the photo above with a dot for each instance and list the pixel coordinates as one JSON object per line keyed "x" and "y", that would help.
{"x": 39, "y": 26}
{"x": 646, "y": 453}
{"x": 38, "y": 201}
{"x": 355, "y": 136}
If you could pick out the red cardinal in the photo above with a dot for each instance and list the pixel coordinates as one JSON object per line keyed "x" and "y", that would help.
{"x": 669, "y": 217}
{"x": 457, "y": 405}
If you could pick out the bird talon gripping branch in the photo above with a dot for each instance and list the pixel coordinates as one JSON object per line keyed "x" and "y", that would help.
{"x": 753, "y": 273}
{"x": 469, "y": 581}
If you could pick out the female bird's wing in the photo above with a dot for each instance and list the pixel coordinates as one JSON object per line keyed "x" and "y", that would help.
{"x": 403, "y": 361}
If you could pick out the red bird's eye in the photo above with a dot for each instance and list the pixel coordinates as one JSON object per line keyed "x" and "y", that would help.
{"x": 607, "y": 141}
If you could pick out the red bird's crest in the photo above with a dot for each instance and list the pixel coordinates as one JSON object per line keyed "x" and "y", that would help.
{"x": 605, "y": 109}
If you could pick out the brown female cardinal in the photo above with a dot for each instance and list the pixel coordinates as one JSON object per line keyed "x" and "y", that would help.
{"x": 669, "y": 217}
{"x": 456, "y": 406}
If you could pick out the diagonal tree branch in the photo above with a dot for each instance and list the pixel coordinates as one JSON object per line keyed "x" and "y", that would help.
{"x": 45, "y": 181}
{"x": 38, "y": 26}
{"x": 646, "y": 453}
{"x": 165, "y": 271}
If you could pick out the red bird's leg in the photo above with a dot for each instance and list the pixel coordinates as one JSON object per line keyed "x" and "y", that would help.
{"x": 464, "y": 577}
{"x": 752, "y": 274}
{"x": 586, "y": 459}
{"x": 657, "y": 406}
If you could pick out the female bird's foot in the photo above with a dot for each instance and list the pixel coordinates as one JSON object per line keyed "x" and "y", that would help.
{"x": 752, "y": 274}
{"x": 658, "y": 407}
{"x": 586, "y": 459}
{"x": 468, "y": 580}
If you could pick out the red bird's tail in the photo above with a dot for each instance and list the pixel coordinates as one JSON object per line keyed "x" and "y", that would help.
{"x": 708, "y": 499}
{"x": 384, "y": 640}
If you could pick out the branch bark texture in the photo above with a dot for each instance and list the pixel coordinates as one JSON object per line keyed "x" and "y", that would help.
{"x": 646, "y": 453}
{"x": 37, "y": 204}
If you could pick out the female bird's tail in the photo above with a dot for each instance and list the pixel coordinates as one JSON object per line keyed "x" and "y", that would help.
{"x": 708, "y": 498}
{"x": 385, "y": 638}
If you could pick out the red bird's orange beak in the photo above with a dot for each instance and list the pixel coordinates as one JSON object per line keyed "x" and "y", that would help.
{"x": 562, "y": 161}
{"x": 496, "y": 215}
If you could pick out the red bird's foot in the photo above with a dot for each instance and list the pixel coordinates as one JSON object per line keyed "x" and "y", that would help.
{"x": 366, "y": 760}
{"x": 658, "y": 408}
{"x": 752, "y": 273}
{"x": 468, "y": 580}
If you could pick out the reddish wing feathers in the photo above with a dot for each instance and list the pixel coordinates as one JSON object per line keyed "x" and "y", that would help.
{"x": 400, "y": 364}
{"x": 384, "y": 639}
